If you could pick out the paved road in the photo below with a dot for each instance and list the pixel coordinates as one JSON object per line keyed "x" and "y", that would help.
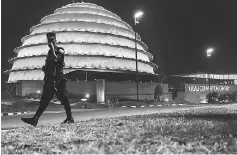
{"x": 52, "y": 117}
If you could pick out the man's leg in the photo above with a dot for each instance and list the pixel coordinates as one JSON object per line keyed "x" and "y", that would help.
{"x": 47, "y": 95}
{"x": 62, "y": 96}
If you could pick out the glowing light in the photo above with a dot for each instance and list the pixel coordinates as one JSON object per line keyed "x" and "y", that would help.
{"x": 166, "y": 99}
{"x": 203, "y": 101}
{"x": 209, "y": 52}
{"x": 84, "y": 99}
{"x": 138, "y": 14}
{"x": 38, "y": 91}
{"x": 87, "y": 95}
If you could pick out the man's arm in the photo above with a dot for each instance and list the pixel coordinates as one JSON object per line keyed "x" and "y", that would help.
{"x": 61, "y": 50}
{"x": 54, "y": 54}
{"x": 60, "y": 55}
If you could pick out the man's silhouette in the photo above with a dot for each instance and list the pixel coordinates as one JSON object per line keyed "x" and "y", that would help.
{"x": 55, "y": 82}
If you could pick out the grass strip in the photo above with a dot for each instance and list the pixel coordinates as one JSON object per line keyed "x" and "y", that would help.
{"x": 164, "y": 133}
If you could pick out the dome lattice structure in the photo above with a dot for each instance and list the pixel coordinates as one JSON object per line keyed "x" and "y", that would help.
{"x": 93, "y": 38}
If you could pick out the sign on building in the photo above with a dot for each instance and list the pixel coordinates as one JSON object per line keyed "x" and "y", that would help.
{"x": 197, "y": 88}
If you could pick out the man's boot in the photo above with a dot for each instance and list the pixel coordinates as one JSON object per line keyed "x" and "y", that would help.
{"x": 68, "y": 120}
{"x": 32, "y": 121}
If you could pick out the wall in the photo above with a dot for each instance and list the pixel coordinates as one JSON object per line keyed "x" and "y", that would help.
{"x": 31, "y": 87}
{"x": 82, "y": 87}
{"x": 129, "y": 90}
{"x": 118, "y": 89}
{"x": 18, "y": 89}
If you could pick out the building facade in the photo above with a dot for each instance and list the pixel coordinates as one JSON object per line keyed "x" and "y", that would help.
{"x": 194, "y": 87}
{"x": 98, "y": 45}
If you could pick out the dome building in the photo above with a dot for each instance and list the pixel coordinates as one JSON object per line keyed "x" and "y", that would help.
{"x": 97, "y": 43}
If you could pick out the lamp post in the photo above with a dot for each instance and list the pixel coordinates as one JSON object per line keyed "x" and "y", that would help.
{"x": 136, "y": 17}
{"x": 209, "y": 52}
{"x": 86, "y": 76}
{"x": 38, "y": 94}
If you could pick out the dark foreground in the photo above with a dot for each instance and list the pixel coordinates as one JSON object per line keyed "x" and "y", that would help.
{"x": 197, "y": 130}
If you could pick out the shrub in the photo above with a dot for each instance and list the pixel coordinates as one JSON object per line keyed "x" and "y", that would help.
{"x": 222, "y": 97}
{"x": 33, "y": 95}
{"x": 212, "y": 97}
{"x": 228, "y": 97}
{"x": 231, "y": 97}
{"x": 234, "y": 96}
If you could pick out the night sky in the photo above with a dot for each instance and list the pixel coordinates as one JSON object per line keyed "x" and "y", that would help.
{"x": 177, "y": 32}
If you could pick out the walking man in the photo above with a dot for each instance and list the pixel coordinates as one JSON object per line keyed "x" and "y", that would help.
{"x": 55, "y": 82}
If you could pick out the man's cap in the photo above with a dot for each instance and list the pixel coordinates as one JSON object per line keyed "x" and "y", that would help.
{"x": 51, "y": 35}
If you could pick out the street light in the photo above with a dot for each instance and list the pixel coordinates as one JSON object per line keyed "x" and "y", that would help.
{"x": 209, "y": 52}
{"x": 87, "y": 95}
{"x": 38, "y": 93}
{"x": 136, "y": 17}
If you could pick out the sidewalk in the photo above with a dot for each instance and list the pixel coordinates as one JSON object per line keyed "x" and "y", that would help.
{"x": 73, "y": 110}
{"x": 47, "y": 118}
{"x": 83, "y": 115}
{"x": 32, "y": 105}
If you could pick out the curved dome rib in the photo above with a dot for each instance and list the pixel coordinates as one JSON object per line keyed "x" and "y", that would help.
{"x": 75, "y": 8}
{"x": 121, "y": 39}
{"x": 88, "y": 62}
{"x": 116, "y": 54}
{"x": 89, "y": 49}
{"x": 82, "y": 26}
{"x": 32, "y": 74}
{"x": 85, "y": 17}
{"x": 83, "y": 4}
{"x": 89, "y": 37}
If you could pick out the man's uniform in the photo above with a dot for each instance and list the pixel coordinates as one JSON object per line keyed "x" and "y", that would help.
{"x": 55, "y": 83}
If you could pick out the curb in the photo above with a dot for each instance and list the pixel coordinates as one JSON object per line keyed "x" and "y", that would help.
{"x": 14, "y": 113}
{"x": 151, "y": 106}
{"x": 144, "y": 106}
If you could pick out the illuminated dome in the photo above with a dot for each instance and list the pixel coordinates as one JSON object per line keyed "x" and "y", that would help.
{"x": 93, "y": 38}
